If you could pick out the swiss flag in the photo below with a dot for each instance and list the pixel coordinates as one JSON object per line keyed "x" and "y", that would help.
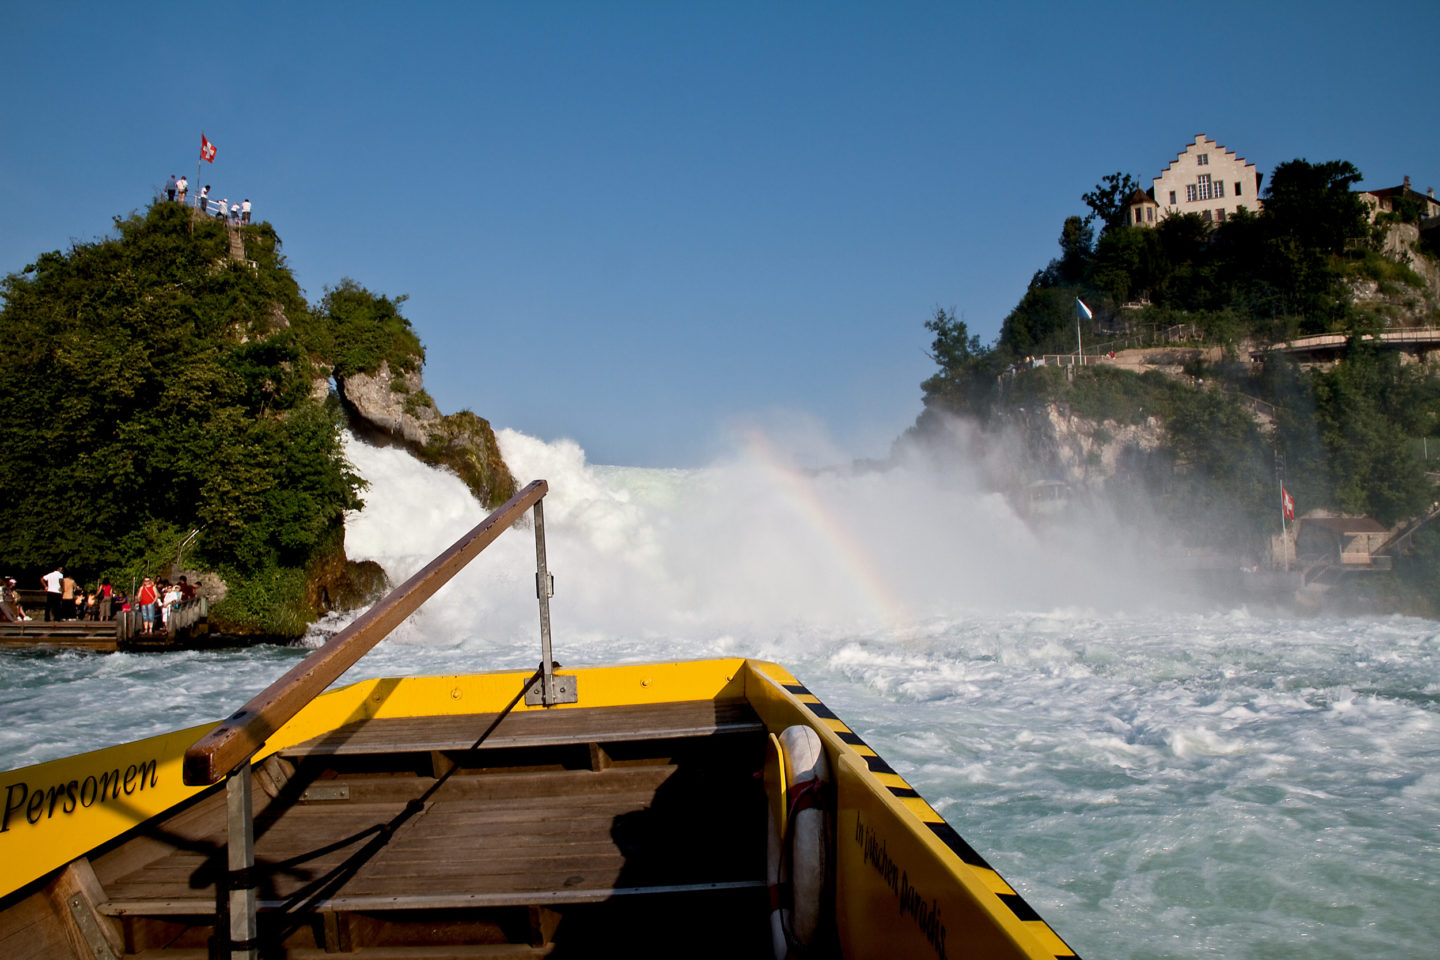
{"x": 1287, "y": 504}
{"x": 207, "y": 150}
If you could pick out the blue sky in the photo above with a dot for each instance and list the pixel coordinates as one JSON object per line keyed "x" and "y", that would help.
{"x": 651, "y": 227}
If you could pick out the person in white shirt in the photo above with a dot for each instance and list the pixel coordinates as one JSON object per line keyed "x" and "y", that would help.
{"x": 245, "y": 211}
{"x": 168, "y": 600}
{"x": 52, "y": 581}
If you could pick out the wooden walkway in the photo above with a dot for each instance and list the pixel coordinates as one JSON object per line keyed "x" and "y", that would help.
{"x": 189, "y": 627}
{"x": 71, "y": 634}
{"x": 1417, "y": 339}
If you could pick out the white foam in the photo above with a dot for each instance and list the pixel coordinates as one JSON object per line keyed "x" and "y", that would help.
{"x": 1154, "y": 782}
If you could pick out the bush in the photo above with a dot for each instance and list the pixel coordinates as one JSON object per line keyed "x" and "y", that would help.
{"x": 268, "y": 602}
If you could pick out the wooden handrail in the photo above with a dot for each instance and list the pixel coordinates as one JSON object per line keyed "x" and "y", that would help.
{"x": 245, "y": 731}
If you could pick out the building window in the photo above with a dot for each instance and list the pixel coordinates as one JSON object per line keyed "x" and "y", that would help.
{"x": 1205, "y": 215}
{"x": 1137, "y": 214}
{"x": 1220, "y": 214}
{"x": 1172, "y": 198}
{"x": 1191, "y": 194}
{"x": 1202, "y": 159}
{"x": 1150, "y": 214}
{"x": 1237, "y": 188}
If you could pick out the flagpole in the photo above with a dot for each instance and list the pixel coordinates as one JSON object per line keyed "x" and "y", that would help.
{"x": 1284, "y": 531}
{"x": 1284, "y": 540}
{"x": 197, "y": 174}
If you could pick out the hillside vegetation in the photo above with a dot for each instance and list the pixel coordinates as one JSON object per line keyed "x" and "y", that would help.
{"x": 1346, "y": 435}
{"x": 155, "y": 387}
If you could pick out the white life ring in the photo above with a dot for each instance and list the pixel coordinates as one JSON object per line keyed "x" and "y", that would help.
{"x": 798, "y": 847}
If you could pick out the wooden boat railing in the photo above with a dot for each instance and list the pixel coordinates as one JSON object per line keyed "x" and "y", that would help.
{"x": 225, "y": 752}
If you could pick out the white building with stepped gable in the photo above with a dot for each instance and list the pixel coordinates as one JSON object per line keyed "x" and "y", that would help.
{"x": 1205, "y": 179}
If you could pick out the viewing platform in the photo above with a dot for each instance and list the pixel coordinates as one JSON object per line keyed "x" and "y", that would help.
{"x": 1417, "y": 340}
{"x": 189, "y": 627}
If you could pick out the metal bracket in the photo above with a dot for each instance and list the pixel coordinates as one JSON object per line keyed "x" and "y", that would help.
{"x": 325, "y": 791}
{"x": 566, "y": 691}
{"x": 90, "y": 929}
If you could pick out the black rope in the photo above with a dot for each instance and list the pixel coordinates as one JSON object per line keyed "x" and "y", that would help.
{"x": 312, "y": 893}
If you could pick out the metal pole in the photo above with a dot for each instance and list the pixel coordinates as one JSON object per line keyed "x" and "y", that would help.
{"x": 240, "y": 852}
{"x": 544, "y": 590}
{"x": 551, "y": 689}
{"x": 1284, "y": 532}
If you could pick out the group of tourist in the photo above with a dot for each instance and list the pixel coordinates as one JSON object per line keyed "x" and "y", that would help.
{"x": 66, "y": 599}
{"x": 223, "y": 209}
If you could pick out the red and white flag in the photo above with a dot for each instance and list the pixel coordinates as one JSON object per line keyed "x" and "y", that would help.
{"x": 207, "y": 150}
{"x": 1287, "y": 504}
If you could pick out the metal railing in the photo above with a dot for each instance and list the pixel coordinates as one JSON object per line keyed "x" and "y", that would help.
{"x": 181, "y": 620}
{"x": 1335, "y": 341}
{"x": 226, "y": 751}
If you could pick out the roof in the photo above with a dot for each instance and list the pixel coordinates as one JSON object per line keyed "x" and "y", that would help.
{"x": 1347, "y": 525}
{"x": 1201, "y": 138}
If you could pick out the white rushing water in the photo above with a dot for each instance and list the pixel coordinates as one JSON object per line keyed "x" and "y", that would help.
{"x": 1158, "y": 779}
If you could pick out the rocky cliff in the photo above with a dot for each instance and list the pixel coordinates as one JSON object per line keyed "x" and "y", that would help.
{"x": 1050, "y": 443}
{"x": 395, "y": 408}
{"x": 1406, "y": 299}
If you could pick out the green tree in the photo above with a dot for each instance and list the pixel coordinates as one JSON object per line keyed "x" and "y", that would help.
{"x": 360, "y": 329}
{"x": 1127, "y": 263}
{"x": 1109, "y": 202}
{"x": 1042, "y": 322}
{"x": 1367, "y": 455}
{"x": 155, "y": 386}
{"x": 1077, "y": 239}
{"x": 966, "y": 377}
{"x": 1315, "y": 204}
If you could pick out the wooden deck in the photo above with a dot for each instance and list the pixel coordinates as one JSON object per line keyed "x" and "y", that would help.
{"x": 66, "y": 634}
{"x": 189, "y": 629}
{"x": 560, "y": 824}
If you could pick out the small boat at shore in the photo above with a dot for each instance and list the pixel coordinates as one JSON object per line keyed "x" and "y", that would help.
{"x": 707, "y": 808}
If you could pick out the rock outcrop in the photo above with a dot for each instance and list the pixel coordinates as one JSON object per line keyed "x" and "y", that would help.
{"x": 1060, "y": 446}
{"x": 1400, "y": 304}
{"x": 394, "y": 407}
{"x": 395, "y": 404}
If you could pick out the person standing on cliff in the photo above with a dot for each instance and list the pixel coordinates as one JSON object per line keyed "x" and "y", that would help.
{"x": 202, "y": 203}
{"x": 181, "y": 186}
{"x": 52, "y": 581}
{"x": 170, "y": 188}
{"x": 245, "y": 211}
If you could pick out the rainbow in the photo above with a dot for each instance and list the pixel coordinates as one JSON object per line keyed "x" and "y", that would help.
{"x": 798, "y": 491}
